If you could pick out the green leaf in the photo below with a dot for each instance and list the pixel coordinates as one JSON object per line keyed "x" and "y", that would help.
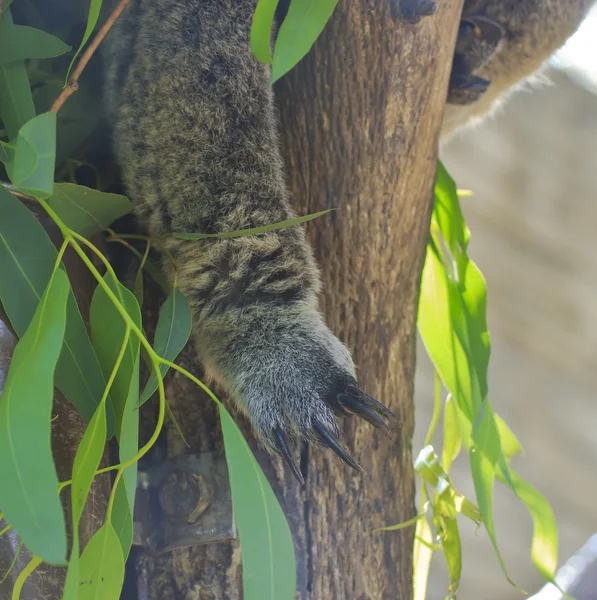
{"x": 252, "y": 231}
{"x": 101, "y": 570}
{"x": 171, "y": 335}
{"x": 107, "y": 333}
{"x": 301, "y": 27}
{"x": 261, "y": 30}
{"x": 16, "y": 104}
{"x": 30, "y": 165}
{"x": 18, "y": 42}
{"x": 87, "y": 460}
{"x": 87, "y": 211}
{"x": 452, "y": 441}
{"x": 27, "y": 257}
{"x": 122, "y": 519}
{"x": 422, "y": 559}
{"x": 269, "y": 570}
{"x": 544, "y": 546}
{"x": 92, "y": 17}
{"x": 29, "y": 491}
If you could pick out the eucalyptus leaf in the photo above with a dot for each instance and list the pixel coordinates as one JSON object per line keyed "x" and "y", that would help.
{"x": 261, "y": 30}
{"x": 30, "y": 164}
{"x": 269, "y": 569}
{"x": 253, "y": 230}
{"x": 92, "y": 17}
{"x": 422, "y": 555}
{"x": 27, "y": 257}
{"x": 16, "y": 103}
{"x": 29, "y": 491}
{"x": 18, "y": 42}
{"x": 301, "y": 27}
{"x": 87, "y": 460}
{"x": 172, "y": 332}
{"x": 101, "y": 569}
{"x": 107, "y": 333}
{"x": 85, "y": 210}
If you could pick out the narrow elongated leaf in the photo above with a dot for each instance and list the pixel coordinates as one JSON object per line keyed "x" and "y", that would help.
{"x": 452, "y": 440}
{"x": 253, "y": 230}
{"x": 29, "y": 491}
{"x": 261, "y": 30}
{"x": 301, "y": 27}
{"x": 87, "y": 211}
{"x": 18, "y": 42}
{"x": 30, "y": 164}
{"x": 27, "y": 257}
{"x": 269, "y": 569}
{"x": 87, "y": 459}
{"x": 422, "y": 559}
{"x": 16, "y": 104}
{"x": 122, "y": 519}
{"x": 92, "y": 16}
{"x": 107, "y": 332}
{"x": 101, "y": 570}
{"x": 171, "y": 335}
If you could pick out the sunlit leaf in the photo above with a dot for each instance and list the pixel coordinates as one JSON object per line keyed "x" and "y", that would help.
{"x": 16, "y": 104}
{"x": 261, "y": 29}
{"x": 29, "y": 490}
{"x": 452, "y": 441}
{"x": 27, "y": 257}
{"x": 301, "y": 27}
{"x": 101, "y": 569}
{"x": 87, "y": 459}
{"x": 18, "y": 42}
{"x": 30, "y": 164}
{"x": 252, "y": 231}
{"x": 171, "y": 335}
{"x": 269, "y": 570}
{"x": 422, "y": 559}
{"x": 85, "y": 210}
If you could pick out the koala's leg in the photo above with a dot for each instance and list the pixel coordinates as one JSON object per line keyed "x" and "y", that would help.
{"x": 195, "y": 135}
{"x": 412, "y": 10}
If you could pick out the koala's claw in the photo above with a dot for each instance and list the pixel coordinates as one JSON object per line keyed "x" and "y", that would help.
{"x": 327, "y": 439}
{"x": 412, "y": 10}
{"x": 357, "y": 407}
{"x": 284, "y": 450}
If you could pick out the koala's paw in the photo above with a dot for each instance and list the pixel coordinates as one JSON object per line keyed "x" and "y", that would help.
{"x": 479, "y": 39}
{"x": 412, "y": 10}
{"x": 292, "y": 376}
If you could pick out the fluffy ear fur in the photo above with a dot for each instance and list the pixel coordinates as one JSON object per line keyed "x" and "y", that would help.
{"x": 532, "y": 31}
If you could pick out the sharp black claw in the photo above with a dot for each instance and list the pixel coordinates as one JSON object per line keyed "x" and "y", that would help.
{"x": 284, "y": 449}
{"x": 358, "y": 408}
{"x": 329, "y": 440}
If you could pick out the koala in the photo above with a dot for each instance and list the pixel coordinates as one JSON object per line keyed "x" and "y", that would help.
{"x": 500, "y": 44}
{"x": 194, "y": 129}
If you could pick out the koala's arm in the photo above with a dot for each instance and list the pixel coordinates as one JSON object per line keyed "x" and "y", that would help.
{"x": 195, "y": 135}
{"x": 532, "y": 30}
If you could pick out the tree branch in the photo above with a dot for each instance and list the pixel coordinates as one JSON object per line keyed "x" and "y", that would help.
{"x": 73, "y": 82}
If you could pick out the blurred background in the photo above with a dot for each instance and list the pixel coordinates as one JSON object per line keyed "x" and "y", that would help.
{"x": 533, "y": 220}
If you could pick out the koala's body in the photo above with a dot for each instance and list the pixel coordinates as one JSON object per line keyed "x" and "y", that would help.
{"x": 195, "y": 135}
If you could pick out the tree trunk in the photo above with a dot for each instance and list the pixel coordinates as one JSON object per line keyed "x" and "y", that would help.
{"x": 361, "y": 117}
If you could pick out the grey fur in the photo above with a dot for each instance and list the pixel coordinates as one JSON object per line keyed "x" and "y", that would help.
{"x": 195, "y": 135}
{"x": 533, "y": 31}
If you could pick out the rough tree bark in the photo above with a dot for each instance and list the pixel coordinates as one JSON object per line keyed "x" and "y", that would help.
{"x": 360, "y": 122}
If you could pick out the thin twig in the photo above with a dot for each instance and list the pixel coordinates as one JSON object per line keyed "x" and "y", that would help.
{"x": 73, "y": 82}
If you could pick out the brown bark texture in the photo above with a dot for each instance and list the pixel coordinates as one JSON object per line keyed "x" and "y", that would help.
{"x": 360, "y": 120}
